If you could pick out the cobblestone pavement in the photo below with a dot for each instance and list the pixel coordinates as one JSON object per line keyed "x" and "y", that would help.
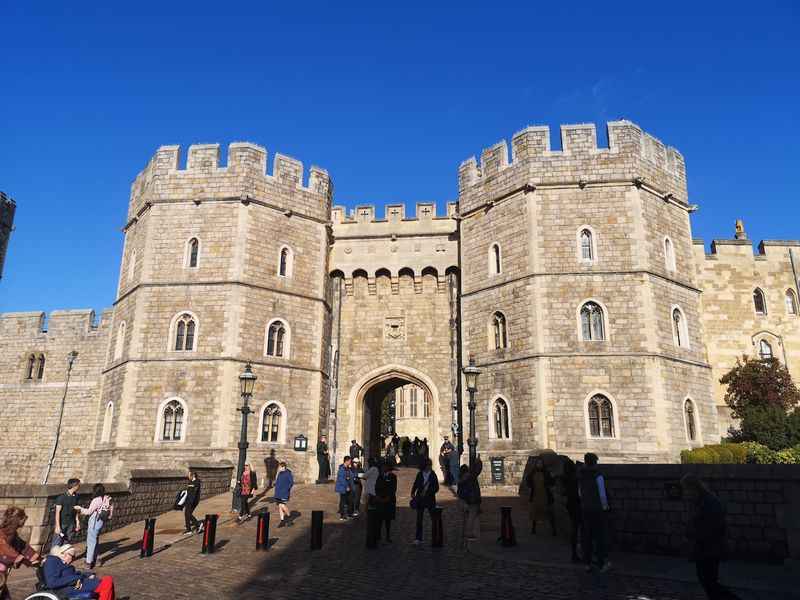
{"x": 344, "y": 568}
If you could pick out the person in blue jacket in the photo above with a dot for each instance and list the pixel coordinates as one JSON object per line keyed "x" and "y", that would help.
{"x": 283, "y": 490}
{"x": 61, "y": 577}
{"x": 344, "y": 487}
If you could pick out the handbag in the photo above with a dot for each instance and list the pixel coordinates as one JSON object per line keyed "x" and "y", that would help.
{"x": 414, "y": 503}
{"x": 180, "y": 500}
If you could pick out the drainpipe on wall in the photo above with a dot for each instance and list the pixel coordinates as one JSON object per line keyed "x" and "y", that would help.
{"x": 334, "y": 405}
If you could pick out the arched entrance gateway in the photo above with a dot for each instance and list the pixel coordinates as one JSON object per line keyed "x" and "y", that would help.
{"x": 394, "y": 399}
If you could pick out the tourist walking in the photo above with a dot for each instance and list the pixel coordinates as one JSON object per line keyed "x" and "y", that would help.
{"x": 283, "y": 491}
{"x": 454, "y": 467}
{"x": 569, "y": 485}
{"x": 444, "y": 460}
{"x": 386, "y": 500}
{"x": 469, "y": 499}
{"x": 540, "y": 507}
{"x": 62, "y": 578}
{"x": 99, "y": 512}
{"x": 405, "y": 451}
{"x": 706, "y": 530}
{"x": 246, "y": 487}
{"x": 190, "y": 503}
{"x": 323, "y": 460}
{"x": 370, "y": 479}
{"x": 14, "y": 551}
{"x": 68, "y": 521}
{"x": 344, "y": 487}
{"x": 358, "y": 488}
{"x": 355, "y": 450}
{"x": 270, "y": 469}
{"x": 423, "y": 495}
{"x": 594, "y": 512}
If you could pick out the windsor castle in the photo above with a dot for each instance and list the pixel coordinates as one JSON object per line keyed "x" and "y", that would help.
{"x": 570, "y": 277}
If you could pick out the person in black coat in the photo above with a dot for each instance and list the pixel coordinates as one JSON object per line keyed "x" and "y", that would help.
{"x": 323, "y": 460}
{"x": 355, "y": 450}
{"x": 569, "y": 484}
{"x": 192, "y": 500}
{"x": 423, "y": 495}
{"x": 706, "y": 529}
{"x": 386, "y": 499}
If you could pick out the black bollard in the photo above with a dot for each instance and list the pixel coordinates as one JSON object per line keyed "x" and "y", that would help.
{"x": 209, "y": 534}
{"x": 262, "y": 531}
{"x": 437, "y": 530}
{"x": 373, "y": 527}
{"x": 148, "y": 538}
{"x": 507, "y": 536}
{"x": 316, "y": 530}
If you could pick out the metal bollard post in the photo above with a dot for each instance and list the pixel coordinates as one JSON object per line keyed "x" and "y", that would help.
{"x": 507, "y": 536}
{"x": 209, "y": 534}
{"x": 148, "y": 538}
{"x": 373, "y": 527}
{"x": 316, "y": 530}
{"x": 262, "y": 531}
{"x": 437, "y": 530}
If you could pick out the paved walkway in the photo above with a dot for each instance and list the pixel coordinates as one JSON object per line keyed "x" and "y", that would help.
{"x": 537, "y": 568}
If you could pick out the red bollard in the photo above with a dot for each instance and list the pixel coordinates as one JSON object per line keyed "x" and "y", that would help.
{"x": 148, "y": 538}
{"x": 209, "y": 534}
{"x": 262, "y": 532}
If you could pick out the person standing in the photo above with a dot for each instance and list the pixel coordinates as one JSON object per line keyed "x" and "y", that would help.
{"x": 594, "y": 511}
{"x": 358, "y": 488}
{"x": 469, "y": 497}
{"x": 190, "y": 503}
{"x": 370, "y": 479}
{"x": 247, "y": 485}
{"x": 569, "y": 484}
{"x": 706, "y": 531}
{"x": 344, "y": 487}
{"x": 540, "y": 482}
{"x": 68, "y": 521}
{"x": 270, "y": 469}
{"x": 323, "y": 460}
{"x": 355, "y": 450}
{"x": 453, "y": 465}
{"x": 423, "y": 495}
{"x": 283, "y": 491}
{"x": 386, "y": 500}
{"x": 14, "y": 551}
{"x": 99, "y": 512}
{"x": 444, "y": 460}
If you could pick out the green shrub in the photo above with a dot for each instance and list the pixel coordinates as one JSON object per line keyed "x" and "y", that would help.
{"x": 724, "y": 454}
{"x": 788, "y": 456}
{"x": 739, "y": 453}
{"x": 760, "y": 454}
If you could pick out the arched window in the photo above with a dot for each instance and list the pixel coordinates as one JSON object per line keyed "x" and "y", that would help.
{"x": 669, "y": 255}
{"x": 680, "y": 332}
{"x": 172, "y": 422}
{"x": 759, "y": 302}
{"x": 500, "y": 412}
{"x": 500, "y": 332}
{"x": 285, "y": 262}
{"x": 399, "y": 403}
{"x": 31, "y": 366}
{"x": 120, "y": 341}
{"x": 40, "y": 368}
{"x": 412, "y": 402}
{"x": 185, "y": 333}
{"x": 108, "y": 420}
{"x": 586, "y": 241}
{"x": 691, "y": 426}
{"x": 495, "y": 260}
{"x": 791, "y": 302}
{"x": 426, "y": 405}
{"x": 764, "y": 350}
{"x": 601, "y": 417}
{"x": 592, "y": 322}
{"x": 277, "y": 339}
{"x": 192, "y": 253}
{"x": 271, "y": 423}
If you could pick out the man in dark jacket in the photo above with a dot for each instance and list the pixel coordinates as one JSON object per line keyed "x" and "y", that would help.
{"x": 323, "y": 460}
{"x": 707, "y": 531}
{"x": 355, "y": 450}
{"x": 423, "y": 495}
{"x": 594, "y": 511}
{"x": 192, "y": 500}
{"x": 271, "y": 469}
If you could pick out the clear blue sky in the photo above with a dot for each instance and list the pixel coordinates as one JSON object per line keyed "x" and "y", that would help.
{"x": 389, "y": 97}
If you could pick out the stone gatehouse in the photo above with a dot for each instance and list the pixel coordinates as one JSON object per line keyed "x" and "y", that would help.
{"x": 570, "y": 276}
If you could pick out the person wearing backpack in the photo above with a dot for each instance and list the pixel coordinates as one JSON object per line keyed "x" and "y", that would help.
{"x": 99, "y": 512}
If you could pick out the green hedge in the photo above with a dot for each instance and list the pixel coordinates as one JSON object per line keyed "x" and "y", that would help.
{"x": 745, "y": 452}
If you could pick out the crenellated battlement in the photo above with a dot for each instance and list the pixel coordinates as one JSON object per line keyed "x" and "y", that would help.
{"x": 764, "y": 250}
{"x": 392, "y": 213}
{"x": 245, "y": 175}
{"x": 64, "y": 323}
{"x": 632, "y": 155}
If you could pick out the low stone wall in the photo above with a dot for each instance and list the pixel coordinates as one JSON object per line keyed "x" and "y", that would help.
{"x": 649, "y": 513}
{"x": 149, "y": 493}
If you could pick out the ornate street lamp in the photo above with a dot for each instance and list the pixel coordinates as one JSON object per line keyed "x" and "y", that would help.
{"x": 471, "y": 373}
{"x": 71, "y": 358}
{"x": 247, "y": 382}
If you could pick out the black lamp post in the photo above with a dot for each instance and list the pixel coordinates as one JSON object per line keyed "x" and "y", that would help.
{"x": 247, "y": 381}
{"x": 471, "y": 373}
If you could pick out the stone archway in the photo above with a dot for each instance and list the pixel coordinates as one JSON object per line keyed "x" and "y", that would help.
{"x": 367, "y": 393}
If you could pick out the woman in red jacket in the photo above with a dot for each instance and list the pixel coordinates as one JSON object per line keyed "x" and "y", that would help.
{"x": 14, "y": 551}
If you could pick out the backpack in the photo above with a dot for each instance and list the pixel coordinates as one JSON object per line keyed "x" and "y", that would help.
{"x": 180, "y": 500}
{"x": 104, "y": 514}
